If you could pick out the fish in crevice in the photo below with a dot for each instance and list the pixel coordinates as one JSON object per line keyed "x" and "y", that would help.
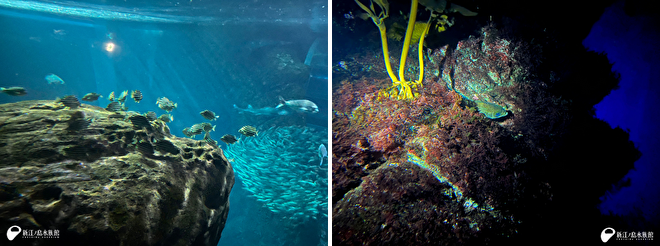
{"x": 491, "y": 110}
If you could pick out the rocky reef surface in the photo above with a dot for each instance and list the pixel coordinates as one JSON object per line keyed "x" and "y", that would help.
{"x": 105, "y": 178}
{"x": 499, "y": 147}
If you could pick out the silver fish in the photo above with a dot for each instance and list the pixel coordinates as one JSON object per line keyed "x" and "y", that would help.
{"x": 301, "y": 106}
{"x": 323, "y": 152}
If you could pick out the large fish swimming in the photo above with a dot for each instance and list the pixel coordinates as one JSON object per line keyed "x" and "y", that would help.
{"x": 262, "y": 111}
{"x": 301, "y": 106}
{"x": 54, "y": 79}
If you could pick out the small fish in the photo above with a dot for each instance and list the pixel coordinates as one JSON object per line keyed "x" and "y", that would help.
{"x": 491, "y": 110}
{"x": 137, "y": 96}
{"x": 209, "y": 115}
{"x": 196, "y": 129}
{"x": 90, "y": 97}
{"x": 113, "y": 107}
{"x": 228, "y": 139}
{"x": 14, "y": 91}
{"x": 122, "y": 97}
{"x": 77, "y": 121}
{"x": 140, "y": 121}
{"x": 323, "y": 153}
{"x": 301, "y": 106}
{"x": 111, "y": 97}
{"x": 166, "y": 104}
{"x": 151, "y": 115}
{"x": 70, "y": 101}
{"x": 207, "y": 138}
{"x": 248, "y": 131}
{"x": 54, "y": 79}
{"x": 207, "y": 127}
{"x": 167, "y": 118}
{"x": 187, "y": 132}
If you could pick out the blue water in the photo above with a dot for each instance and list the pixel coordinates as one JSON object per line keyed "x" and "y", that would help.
{"x": 200, "y": 55}
{"x": 631, "y": 43}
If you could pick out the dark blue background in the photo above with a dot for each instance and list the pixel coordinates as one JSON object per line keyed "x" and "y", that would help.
{"x": 631, "y": 40}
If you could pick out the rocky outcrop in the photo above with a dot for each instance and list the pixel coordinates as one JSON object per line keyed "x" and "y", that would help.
{"x": 104, "y": 178}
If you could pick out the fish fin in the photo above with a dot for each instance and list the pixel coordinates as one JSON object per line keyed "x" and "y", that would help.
{"x": 282, "y": 101}
{"x": 249, "y": 106}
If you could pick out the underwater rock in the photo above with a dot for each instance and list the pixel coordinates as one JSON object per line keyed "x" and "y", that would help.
{"x": 108, "y": 183}
{"x": 481, "y": 68}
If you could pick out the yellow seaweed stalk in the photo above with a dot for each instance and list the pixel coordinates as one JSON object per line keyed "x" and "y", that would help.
{"x": 400, "y": 89}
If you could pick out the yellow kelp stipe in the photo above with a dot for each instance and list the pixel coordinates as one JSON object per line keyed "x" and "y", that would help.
{"x": 400, "y": 89}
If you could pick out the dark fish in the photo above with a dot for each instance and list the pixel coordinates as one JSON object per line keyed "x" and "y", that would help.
{"x": 151, "y": 115}
{"x": 116, "y": 115}
{"x": 228, "y": 139}
{"x": 166, "y": 104}
{"x": 163, "y": 145}
{"x": 196, "y": 129}
{"x": 70, "y": 101}
{"x": 111, "y": 97}
{"x": 113, "y": 107}
{"x": 14, "y": 91}
{"x": 207, "y": 138}
{"x": 248, "y": 131}
{"x": 90, "y": 97}
{"x": 209, "y": 115}
{"x": 167, "y": 118}
{"x": 187, "y": 132}
{"x": 77, "y": 122}
{"x": 137, "y": 96}
{"x": 145, "y": 147}
{"x": 122, "y": 97}
{"x": 207, "y": 127}
{"x": 140, "y": 121}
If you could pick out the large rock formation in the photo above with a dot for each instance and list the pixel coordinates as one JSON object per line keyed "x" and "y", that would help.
{"x": 103, "y": 178}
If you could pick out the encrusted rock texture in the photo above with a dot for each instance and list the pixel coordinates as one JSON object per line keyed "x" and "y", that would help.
{"x": 105, "y": 178}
